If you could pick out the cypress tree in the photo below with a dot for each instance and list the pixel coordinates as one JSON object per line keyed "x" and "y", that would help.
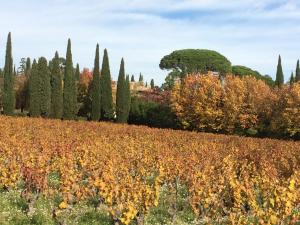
{"x": 34, "y": 87}
{"x": 279, "y": 74}
{"x": 77, "y": 72}
{"x": 152, "y": 84}
{"x": 146, "y": 85}
{"x": 56, "y": 87}
{"x": 45, "y": 86}
{"x": 25, "y": 91}
{"x": 69, "y": 94}
{"x": 297, "y": 77}
{"x": 121, "y": 100}
{"x": 292, "y": 79}
{"x": 28, "y": 67}
{"x": 8, "y": 89}
{"x": 95, "y": 89}
{"x": 107, "y": 111}
{"x": 128, "y": 97}
{"x": 132, "y": 78}
{"x": 141, "y": 78}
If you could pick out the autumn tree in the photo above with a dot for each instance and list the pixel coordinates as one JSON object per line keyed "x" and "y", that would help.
{"x": 107, "y": 111}
{"x": 279, "y": 74}
{"x": 69, "y": 93}
{"x": 257, "y": 101}
{"x": 237, "y": 105}
{"x": 121, "y": 99}
{"x": 8, "y": 89}
{"x": 291, "y": 113}
{"x": 197, "y": 101}
{"x": 95, "y": 89}
{"x": 57, "y": 92}
{"x": 286, "y": 120}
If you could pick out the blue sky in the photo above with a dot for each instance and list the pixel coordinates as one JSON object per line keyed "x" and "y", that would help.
{"x": 249, "y": 32}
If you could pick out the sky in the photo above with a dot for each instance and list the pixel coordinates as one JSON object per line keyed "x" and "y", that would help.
{"x": 248, "y": 32}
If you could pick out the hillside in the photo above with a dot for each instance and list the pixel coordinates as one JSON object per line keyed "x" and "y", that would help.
{"x": 69, "y": 171}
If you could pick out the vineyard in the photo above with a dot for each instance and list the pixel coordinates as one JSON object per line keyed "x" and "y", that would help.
{"x": 76, "y": 172}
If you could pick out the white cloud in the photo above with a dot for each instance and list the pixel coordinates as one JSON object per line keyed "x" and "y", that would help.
{"x": 248, "y": 32}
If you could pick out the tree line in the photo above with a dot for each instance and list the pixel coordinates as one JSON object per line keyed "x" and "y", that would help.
{"x": 51, "y": 88}
{"x": 188, "y": 61}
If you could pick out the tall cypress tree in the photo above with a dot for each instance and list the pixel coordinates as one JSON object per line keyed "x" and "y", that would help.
{"x": 279, "y": 74}
{"x": 56, "y": 86}
{"x": 132, "y": 78}
{"x": 95, "y": 89}
{"x": 34, "y": 91}
{"x": 107, "y": 111}
{"x": 69, "y": 94}
{"x": 28, "y": 67}
{"x": 121, "y": 99}
{"x": 128, "y": 97}
{"x": 141, "y": 78}
{"x": 152, "y": 84}
{"x": 292, "y": 79}
{"x": 25, "y": 94}
{"x": 297, "y": 77}
{"x": 45, "y": 86}
{"x": 8, "y": 95}
{"x": 77, "y": 72}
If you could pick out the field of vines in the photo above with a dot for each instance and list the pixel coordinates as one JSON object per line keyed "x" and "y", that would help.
{"x": 77, "y": 172}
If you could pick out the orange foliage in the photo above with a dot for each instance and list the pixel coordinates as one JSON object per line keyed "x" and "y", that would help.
{"x": 203, "y": 102}
{"x": 197, "y": 102}
{"x": 228, "y": 179}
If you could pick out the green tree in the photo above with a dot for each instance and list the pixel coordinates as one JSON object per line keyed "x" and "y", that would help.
{"x": 242, "y": 71}
{"x": 196, "y": 61}
{"x": 22, "y": 67}
{"x": 279, "y": 74}
{"x": 8, "y": 89}
{"x": 141, "y": 78}
{"x": 128, "y": 97}
{"x": 107, "y": 111}
{"x": 297, "y": 77}
{"x": 170, "y": 80}
{"x": 25, "y": 91}
{"x": 152, "y": 84}
{"x": 45, "y": 86}
{"x": 57, "y": 92}
{"x": 69, "y": 95}
{"x": 28, "y": 67}
{"x": 95, "y": 89}
{"x": 292, "y": 79}
{"x": 132, "y": 78}
{"x": 77, "y": 72}
{"x": 121, "y": 99}
{"x": 34, "y": 91}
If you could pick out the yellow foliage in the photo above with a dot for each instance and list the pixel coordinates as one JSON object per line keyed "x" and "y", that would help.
{"x": 125, "y": 168}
